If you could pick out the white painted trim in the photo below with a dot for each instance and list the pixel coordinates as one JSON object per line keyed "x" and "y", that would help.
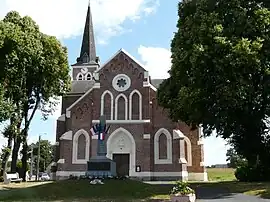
{"x": 79, "y": 75}
{"x": 124, "y": 121}
{"x": 91, "y": 76}
{"x": 68, "y": 114}
{"x": 147, "y": 84}
{"x": 200, "y": 142}
{"x": 62, "y": 117}
{"x": 131, "y": 104}
{"x": 189, "y": 151}
{"x": 177, "y": 134}
{"x": 169, "y": 147}
{"x": 110, "y": 150}
{"x": 66, "y": 136}
{"x": 116, "y": 106}
{"x": 96, "y": 85}
{"x": 134, "y": 174}
{"x": 96, "y": 76}
{"x": 102, "y": 103}
{"x": 75, "y": 159}
{"x": 92, "y": 66}
{"x": 146, "y": 136}
{"x": 198, "y": 176}
{"x": 61, "y": 161}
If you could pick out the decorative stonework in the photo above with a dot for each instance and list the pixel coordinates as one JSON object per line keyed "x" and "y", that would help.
{"x": 84, "y": 75}
{"x": 121, "y": 82}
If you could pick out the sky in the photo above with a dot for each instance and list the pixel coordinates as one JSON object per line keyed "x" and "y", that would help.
{"x": 144, "y": 28}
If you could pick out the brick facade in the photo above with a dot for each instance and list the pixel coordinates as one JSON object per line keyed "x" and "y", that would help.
{"x": 122, "y": 90}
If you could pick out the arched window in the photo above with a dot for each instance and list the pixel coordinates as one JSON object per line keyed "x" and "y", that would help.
{"x": 163, "y": 140}
{"x": 79, "y": 77}
{"x": 121, "y": 107}
{"x": 106, "y": 105}
{"x": 135, "y": 105}
{"x": 88, "y": 76}
{"x": 81, "y": 147}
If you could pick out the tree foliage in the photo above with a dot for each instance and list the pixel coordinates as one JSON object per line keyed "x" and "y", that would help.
{"x": 34, "y": 71}
{"x": 220, "y": 76}
{"x": 234, "y": 160}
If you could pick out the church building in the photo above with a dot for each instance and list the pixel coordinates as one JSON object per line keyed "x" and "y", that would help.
{"x": 143, "y": 141}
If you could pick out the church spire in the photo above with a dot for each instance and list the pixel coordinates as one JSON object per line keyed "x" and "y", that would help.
{"x": 88, "y": 49}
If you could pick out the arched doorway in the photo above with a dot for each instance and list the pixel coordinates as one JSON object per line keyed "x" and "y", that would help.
{"x": 121, "y": 148}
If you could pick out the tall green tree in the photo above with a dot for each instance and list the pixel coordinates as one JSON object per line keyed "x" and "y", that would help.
{"x": 220, "y": 76}
{"x": 36, "y": 72}
{"x": 234, "y": 160}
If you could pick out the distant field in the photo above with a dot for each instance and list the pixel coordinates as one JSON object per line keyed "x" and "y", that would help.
{"x": 221, "y": 174}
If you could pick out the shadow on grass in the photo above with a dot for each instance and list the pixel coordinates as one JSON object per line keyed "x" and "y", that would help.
{"x": 123, "y": 190}
{"x": 82, "y": 190}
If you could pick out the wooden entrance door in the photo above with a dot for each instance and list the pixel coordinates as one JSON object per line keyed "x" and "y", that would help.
{"x": 122, "y": 164}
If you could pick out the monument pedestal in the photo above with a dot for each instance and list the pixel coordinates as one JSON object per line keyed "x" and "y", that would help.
{"x": 101, "y": 166}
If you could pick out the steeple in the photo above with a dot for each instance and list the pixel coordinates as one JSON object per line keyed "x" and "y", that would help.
{"x": 88, "y": 48}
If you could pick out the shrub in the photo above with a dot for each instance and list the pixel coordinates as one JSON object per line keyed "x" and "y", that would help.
{"x": 182, "y": 188}
{"x": 1, "y": 179}
{"x": 247, "y": 173}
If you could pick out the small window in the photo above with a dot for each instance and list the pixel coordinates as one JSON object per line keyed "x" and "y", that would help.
{"x": 88, "y": 76}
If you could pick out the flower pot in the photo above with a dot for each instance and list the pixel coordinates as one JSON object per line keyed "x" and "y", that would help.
{"x": 183, "y": 198}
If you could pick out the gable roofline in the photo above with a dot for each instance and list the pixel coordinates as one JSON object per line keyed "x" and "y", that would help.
{"x": 125, "y": 52}
{"x": 97, "y": 85}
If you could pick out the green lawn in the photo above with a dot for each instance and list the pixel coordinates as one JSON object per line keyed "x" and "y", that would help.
{"x": 220, "y": 174}
{"x": 121, "y": 190}
{"x": 82, "y": 190}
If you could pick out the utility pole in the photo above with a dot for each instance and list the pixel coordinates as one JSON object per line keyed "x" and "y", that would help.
{"x": 31, "y": 165}
{"x": 38, "y": 157}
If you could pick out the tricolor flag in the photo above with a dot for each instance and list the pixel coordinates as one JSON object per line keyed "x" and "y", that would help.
{"x": 101, "y": 136}
{"x": 94, "y": 130}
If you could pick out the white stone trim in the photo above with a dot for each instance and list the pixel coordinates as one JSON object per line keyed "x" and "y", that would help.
{"x": 61, "y": 161}
{"x": 102, "y": 103}
{"x": 131, "y": 104}
{"x": 200, "y": 142}
{"x": 121, "y": 76}
{"x": 182, "y": 160}
{"x": 198, "y": 176}
{"x": 79, "y": 75}
{"x": 62, "y": 117}
{"x": 125, "y": 121}
{"x": 146, "y": 136}
{"x": 116, "y": 106}
{"x": 132, "y": 148}
{"x": 96, "y": 76}
{"x": 177, "y": 134}
{"x": 147, "y": 84}
{"x": 91, "y": 76}
{"x": 67, "y": 135}
{"x": 134, "y": 174}
{"x": 202, "y": 163}
{"x": 56, "y": 144}
{"x": 169, "y": 147}
{"x": 189, "y": 151}
{"x": 96, "y": 85}
{"x": 75, "y": 159}
{"x": 94, "y": 137}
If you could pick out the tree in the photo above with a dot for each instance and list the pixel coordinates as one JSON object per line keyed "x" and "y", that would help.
{"x": 220, "y": 74}
{"x": 234, "y": 160}
{"x": 35, "y": 68}
{"x": 46, "y": 154}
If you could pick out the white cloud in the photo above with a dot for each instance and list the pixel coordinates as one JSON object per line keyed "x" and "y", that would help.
{"x": 157, "y": 61}
{"x": 66, "y": 18}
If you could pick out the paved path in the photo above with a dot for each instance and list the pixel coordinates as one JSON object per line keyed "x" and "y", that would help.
{"x": 212, "y": 194}
{"x": 221, "y": 195}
